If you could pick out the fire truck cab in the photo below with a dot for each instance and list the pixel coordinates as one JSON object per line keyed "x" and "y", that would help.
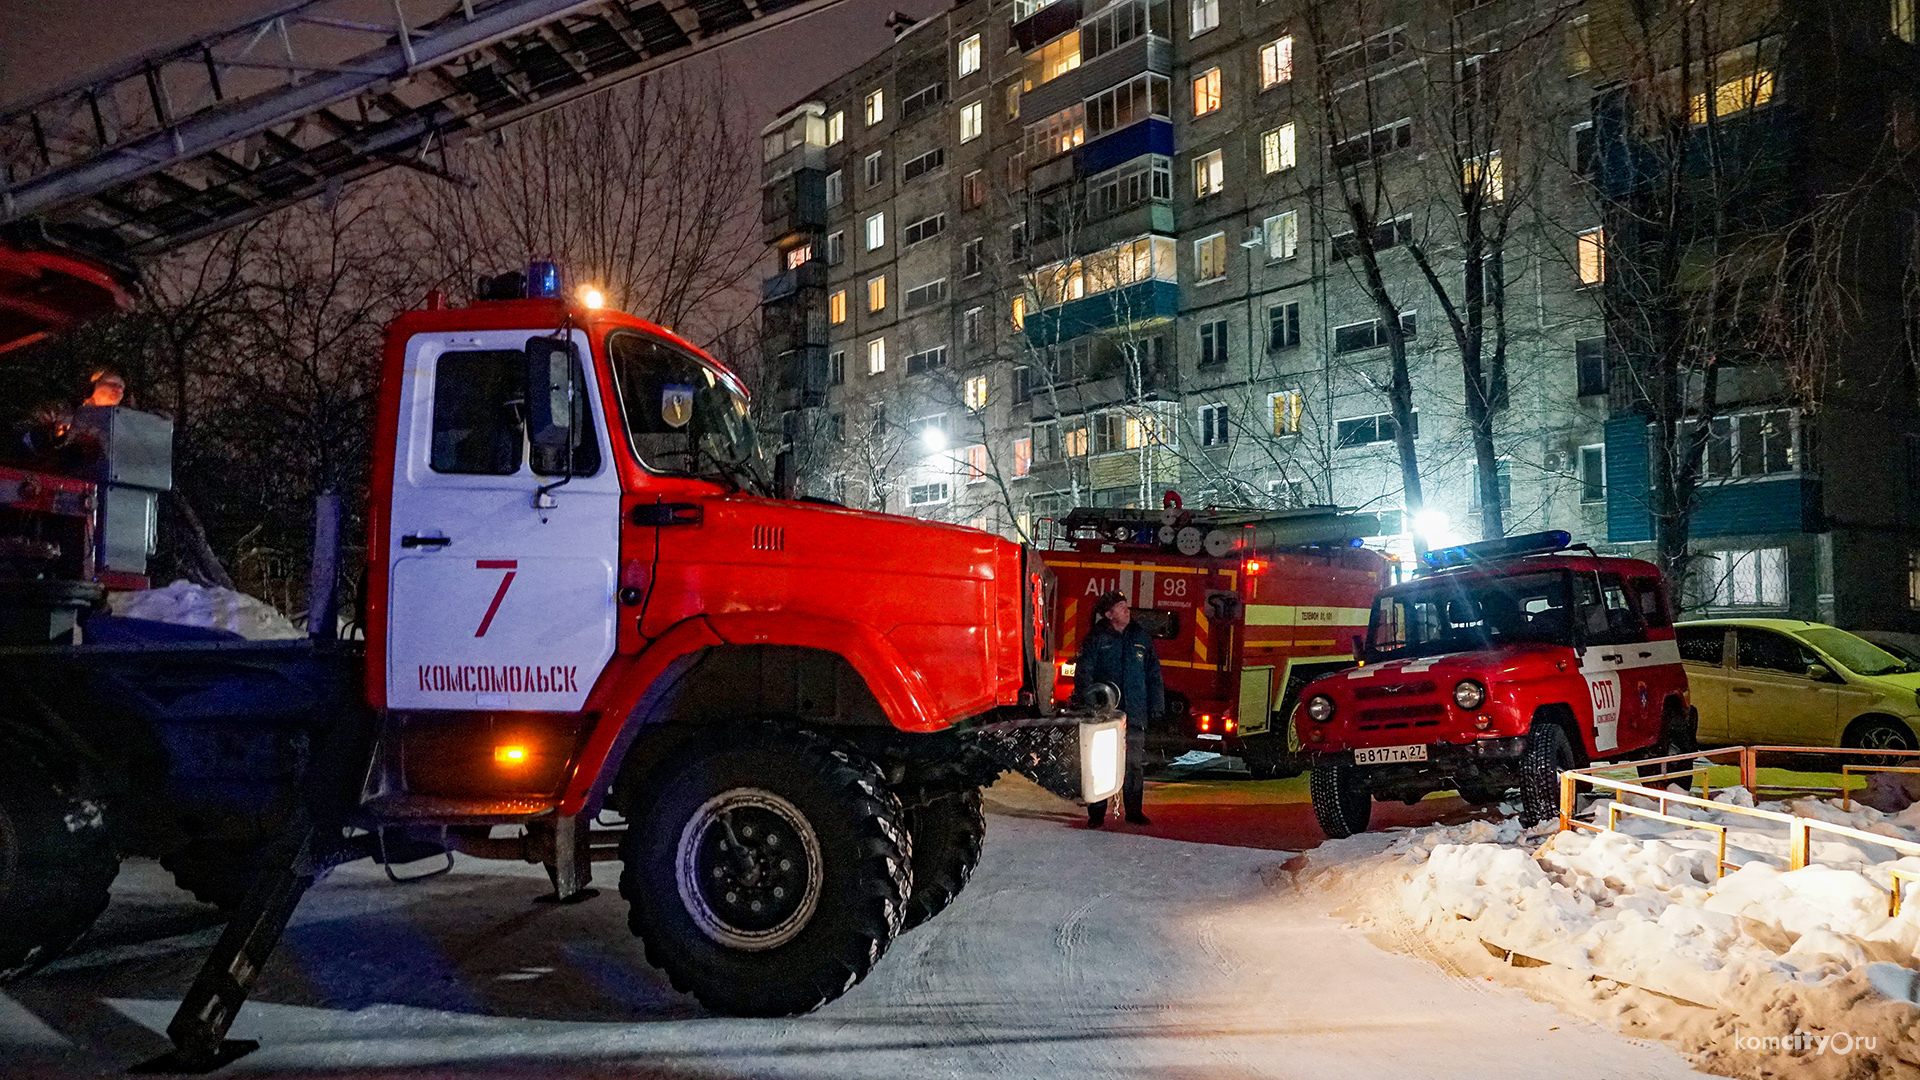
{"x": 1507, "y": 662}
{"x": 1247, "y": 607}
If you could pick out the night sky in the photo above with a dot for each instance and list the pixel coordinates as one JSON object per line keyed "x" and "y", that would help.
{"x": 47, "y": 44}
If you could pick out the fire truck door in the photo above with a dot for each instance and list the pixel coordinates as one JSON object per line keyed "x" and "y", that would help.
{"x": 502, "y": 575}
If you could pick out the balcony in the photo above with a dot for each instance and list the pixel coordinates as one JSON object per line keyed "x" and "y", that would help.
{"x": 1046, "y": 24}
{"x": 1141, "y": 302}
{"x": 1145, "y": 53}
{"x": 804, "y": 377}
{"x": 1149, "y": 136}
{"x": 811, "y": 274}
{"x": 1783, "y": 503}
{"x": 793, "y": 207}
{"x": 795, "y": 322}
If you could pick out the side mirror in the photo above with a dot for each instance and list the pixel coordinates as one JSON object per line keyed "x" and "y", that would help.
{"x": 1819, "y": 673}
{"x": 549, "y": 376}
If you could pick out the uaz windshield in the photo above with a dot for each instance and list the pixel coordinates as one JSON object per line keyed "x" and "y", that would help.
{"x": 1458, "y": 614}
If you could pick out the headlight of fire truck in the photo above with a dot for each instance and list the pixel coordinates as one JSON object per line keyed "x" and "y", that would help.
{"x": 1320, "y": 708}
{"x": 1469, "y": 694}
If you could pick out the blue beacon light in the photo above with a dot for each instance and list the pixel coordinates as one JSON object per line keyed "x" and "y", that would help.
{"x": 543, "y": 280}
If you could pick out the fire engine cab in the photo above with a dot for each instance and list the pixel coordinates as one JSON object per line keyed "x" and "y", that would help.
{"x": 1506, "y": 662}
{"x": 1247, "y": 607}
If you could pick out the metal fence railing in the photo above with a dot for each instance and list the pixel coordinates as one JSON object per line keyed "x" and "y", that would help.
{"x": 1800, "y": 830}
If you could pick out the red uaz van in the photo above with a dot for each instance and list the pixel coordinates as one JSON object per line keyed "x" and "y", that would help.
{"x": 1506, "y": 662}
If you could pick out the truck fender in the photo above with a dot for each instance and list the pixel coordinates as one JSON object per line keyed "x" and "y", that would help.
{"x": 632, "y": 686}
{"x": 896, "y": 684}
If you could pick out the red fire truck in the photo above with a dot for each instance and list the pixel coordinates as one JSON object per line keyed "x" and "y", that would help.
{"x": 582, "y": 596}
{"x": 1248, "y": 607}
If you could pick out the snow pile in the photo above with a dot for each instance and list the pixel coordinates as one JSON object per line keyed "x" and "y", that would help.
{"x": 1632, "y": 928}
{"x": 185, "y": 604}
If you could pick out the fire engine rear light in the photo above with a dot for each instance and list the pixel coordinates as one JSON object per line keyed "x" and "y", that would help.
{"x": 1206, "y": 722}
{"x": 510, "y": 755}
{"x": 1226, "y": 724}
{"x": 1320, "y": 708}
{"x": 1255, "y": 567}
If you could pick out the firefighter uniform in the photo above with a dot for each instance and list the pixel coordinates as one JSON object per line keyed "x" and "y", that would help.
{"x": 1125, "y": 659}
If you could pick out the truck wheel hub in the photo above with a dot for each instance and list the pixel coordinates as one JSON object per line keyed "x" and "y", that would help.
{"x": 749, "y": 870}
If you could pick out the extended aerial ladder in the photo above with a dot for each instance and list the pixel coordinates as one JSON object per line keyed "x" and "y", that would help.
{"x": 186, "y": 141}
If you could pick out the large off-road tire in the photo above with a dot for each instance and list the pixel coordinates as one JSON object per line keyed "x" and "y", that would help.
{"x": 766, "y": 872}
{"x": 1881, "y": 733}
{"x": 57, "y": 860}
{"x": 1678, "y": 735}
{"x": 1340, "y": 801}
{"x": 947, "y": 835}
{"x": 1548, "y": 751}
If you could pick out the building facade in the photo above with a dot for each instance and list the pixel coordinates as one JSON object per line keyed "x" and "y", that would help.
{"x": 1039, "y": 256}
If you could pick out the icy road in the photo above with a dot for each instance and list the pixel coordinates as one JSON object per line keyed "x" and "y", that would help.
{"x": 1073, "y": 954}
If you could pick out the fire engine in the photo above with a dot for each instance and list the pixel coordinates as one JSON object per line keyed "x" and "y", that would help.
{"x": 1506, "y": 662}
{"x": 582, "y": 598}
{"x": 1247, "y": 606}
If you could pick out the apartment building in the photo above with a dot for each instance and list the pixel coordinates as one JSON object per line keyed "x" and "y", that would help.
{"x": 1038, "y": 256}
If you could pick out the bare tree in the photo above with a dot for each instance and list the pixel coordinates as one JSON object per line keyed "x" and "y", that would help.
{"x": 644, "y": 192}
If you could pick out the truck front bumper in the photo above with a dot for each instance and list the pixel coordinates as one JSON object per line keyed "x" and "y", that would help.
{"x": 1081, "y": 757}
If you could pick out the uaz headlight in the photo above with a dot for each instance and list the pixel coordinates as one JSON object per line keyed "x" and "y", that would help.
{"x": 1469, "y": 694}
{"x": 1320, "y": 708}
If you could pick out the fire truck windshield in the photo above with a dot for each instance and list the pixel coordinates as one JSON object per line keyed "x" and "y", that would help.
{"x": 683, "y": 416}
{"x": 1462, "y": 613}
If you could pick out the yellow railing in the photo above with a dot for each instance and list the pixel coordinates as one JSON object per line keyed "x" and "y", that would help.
{"x": 1800, "y": 830}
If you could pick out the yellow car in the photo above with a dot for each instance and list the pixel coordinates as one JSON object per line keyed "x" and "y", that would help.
{"x": 1793, "y": 683}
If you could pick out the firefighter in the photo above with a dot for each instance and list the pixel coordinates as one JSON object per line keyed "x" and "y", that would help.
{"x": 1120, "y": 652}
{"x": 109, "y": 389}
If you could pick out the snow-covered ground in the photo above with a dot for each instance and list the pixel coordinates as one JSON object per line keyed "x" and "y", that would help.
{"x": 1074, "y": 954}
{"x": 1632, "y": 929}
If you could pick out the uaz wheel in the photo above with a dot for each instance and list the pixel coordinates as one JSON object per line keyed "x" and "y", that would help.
{"x": 56, "y": 857}
{"x": 947, "y": 836}
{"x": 1547, "y": 753}
{"x": 767, "y": 875}
{"x": 1340, "y": 801}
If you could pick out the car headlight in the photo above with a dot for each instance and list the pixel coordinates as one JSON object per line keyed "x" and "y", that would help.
{"x": 1320, "y": 708}
{"x": 1469, "y": 694}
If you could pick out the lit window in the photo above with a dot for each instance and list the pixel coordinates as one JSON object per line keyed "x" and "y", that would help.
{"x": 1593, "y": 256}
{"x": 876, "y": 356}
{"x": 1276, "y": 63}
{"x": 877, "y": 231}
{"x": 1285, "y": 408}
{"x": 877, "y": 293}
{"x": 1579, "y": 46}
{"x": 837, "y": 307}
{"x": 1206, "y": 92}
{"x": 1203, "y": 15}
{"x": 1210, "y": 257}
{"x": 1277, "y": 151}
{"x": 1901, "y": 23}
{"x": 977, "y": 463}
{"x": 1073, "y": 441}
{"x": 876, "y": 107}
{"x": 1019, "y": 313}
{"x": 972, "y": 121}
{"x": 1022, "y": 457}
{"x": 1209, "y": 174}
{"x": 970, "y": 56}
{"x": 799, "y": 255}
{"x": 836, "y": 127}
{"x": 1283, "y": 235}
{"x": 1483, "y": 174}
{"x": 1052, "y": 60}
{"x": 1739, "y": 83}
{"x": 1013, "y": 101}
{"x": 976, "y": 392}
